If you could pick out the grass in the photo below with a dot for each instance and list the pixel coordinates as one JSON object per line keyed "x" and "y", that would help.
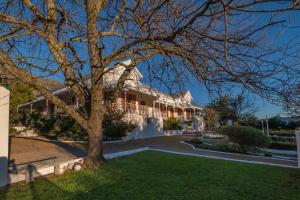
{"x": 153, "y": 175}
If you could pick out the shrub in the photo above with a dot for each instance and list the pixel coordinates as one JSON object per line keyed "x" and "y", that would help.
{"x": 246, "y": 137}
{"x": 268, "y": 154}
{"x": 172, "y": 124}
{"x": 67, "y": 128}
{"x": 114, "y": 127}
{"x": 64, "y": 127}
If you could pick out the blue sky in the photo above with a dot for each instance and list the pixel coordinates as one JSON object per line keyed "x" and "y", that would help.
{"x": 199, "y": 93}
{"x": 278, "y": 36}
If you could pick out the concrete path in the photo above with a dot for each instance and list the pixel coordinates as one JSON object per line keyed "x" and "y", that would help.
{"x": 41, "y": 153}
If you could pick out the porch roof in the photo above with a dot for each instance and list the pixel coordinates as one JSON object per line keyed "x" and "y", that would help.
{"x": 40, "y": 98}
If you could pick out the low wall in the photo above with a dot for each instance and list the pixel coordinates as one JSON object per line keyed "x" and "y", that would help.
{"x": 172, "y": 132}
{"x": 146, "y": 128}
{"x": 64, "y": 166}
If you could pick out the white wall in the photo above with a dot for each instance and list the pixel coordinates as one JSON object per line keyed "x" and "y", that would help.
{"x": 146, "y": 128}
{"x": 4, "y": 120}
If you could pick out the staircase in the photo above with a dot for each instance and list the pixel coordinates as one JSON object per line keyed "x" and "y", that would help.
{"x": 147, "y": 127}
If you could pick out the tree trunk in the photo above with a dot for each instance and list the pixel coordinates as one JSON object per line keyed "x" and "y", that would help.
{"x": 95, "y": 147}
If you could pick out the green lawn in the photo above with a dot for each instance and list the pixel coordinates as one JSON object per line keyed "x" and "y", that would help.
{"x": 153, "y": 175}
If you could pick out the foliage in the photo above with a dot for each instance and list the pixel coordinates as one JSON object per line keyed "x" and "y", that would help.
{"x": 59, "y": 126}
{"x": 216, "y": 145}
{"x": 211, "y": 118}
{"x": 291, "y": 100}
{"x": 114, "y": 126}
{"x": 157, "y": 175}
{"x": 268, "y": 154}
{"x": 19, "y": 93}
{"x": 278, "y": 122}
{"x": 64, "y": 127}
{"x": 217, "y": 42}
{"x": 292, "y": 125}
{"x": 275, "y": 122}
{"x": 172, "y": 123}
{"x": 251, "y": 120}
{"x": 232, "y": 108}
{"x": 245, "y": 136}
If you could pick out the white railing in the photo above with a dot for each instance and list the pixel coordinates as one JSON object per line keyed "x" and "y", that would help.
{"x": 145, "y": 111}
{"x": 134, "y": 109}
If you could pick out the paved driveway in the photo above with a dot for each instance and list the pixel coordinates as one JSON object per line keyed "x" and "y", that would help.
{"x": 40, "y": 153}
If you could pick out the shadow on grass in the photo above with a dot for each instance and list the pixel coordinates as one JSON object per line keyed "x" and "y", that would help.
{"x": 51, "y": 187}
{"x": 152, "y": 175}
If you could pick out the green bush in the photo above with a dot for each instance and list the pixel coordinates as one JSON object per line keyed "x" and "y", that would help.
{"x": 114, "y": 127}
{"x": 268, "y": 154}
{"x": 65, "y": 127}
{"x": 246, "y": 137}
{"x": 172, "y": 124}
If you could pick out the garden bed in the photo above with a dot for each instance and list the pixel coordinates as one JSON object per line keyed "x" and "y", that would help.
{"x": 215, "y": 144}
{"x": 224, "y": 145}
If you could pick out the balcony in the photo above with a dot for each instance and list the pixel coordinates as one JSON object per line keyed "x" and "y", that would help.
{"x": 134, "y": 109}
{"x": 148, "y": 111}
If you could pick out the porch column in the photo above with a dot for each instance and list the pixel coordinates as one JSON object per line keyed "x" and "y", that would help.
{"x": 47, "y": 107}
{"x": 174, "y": 112}
{"x": 159, "y": 109}
{"x": 125, "y": 101}
{"x": 137, "y": 107}
{"x": 55, "y": 109}
{"x": 298, "y": 146}
{"x": 77, "y": 103}
{"x": 4, "y": 138}
{"x": 167, "y": 111}
{"x": 153, "y": 108}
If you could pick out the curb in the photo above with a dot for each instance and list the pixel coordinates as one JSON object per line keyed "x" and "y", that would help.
{"x": 236, "y": 154}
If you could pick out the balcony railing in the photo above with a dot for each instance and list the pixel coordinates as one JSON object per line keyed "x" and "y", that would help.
{"x": 134, "y": 109}
{"x": 146, "y": 111}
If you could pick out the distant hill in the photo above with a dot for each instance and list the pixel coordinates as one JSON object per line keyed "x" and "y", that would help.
{"x": 49, "y": 83}
{"x": 52, "y": 84}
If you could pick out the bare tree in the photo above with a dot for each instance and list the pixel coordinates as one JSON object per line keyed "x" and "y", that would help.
{"x": 291, "y": 100}
{"x": 211, "y": 118}
{"x": 233, "y": 108}
{"x": 221, "y": 43}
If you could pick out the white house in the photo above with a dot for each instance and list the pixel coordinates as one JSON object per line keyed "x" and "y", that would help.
{"x": 140, "y": 102}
